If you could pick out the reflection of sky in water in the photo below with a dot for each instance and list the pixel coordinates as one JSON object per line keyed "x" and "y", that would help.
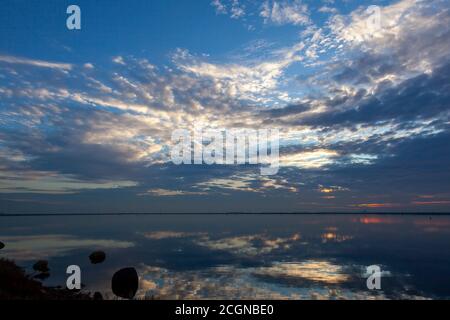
{"x": 243, "y": 256}
{"x": 45, "y": 246}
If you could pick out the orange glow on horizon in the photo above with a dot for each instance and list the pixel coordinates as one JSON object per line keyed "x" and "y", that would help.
{"x": 377, "y": 205}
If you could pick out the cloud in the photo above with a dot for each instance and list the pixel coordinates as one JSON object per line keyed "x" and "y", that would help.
{"x": 309, "y": 159}
{"x": 36, "y": 63}
{"x": 246, "y": 182}
{"x": 255, "y": 81}
{"x": 237, "y": 10}
{"x": 412, "y": 35}
{"x": 220, "y": 7}
{"x": 234, "y": 8}
{"x": 53, "y": 183}
{"x": 238, "y": 183}
{"x": 119, "y": 60}
{"x": 327, "y": 9}
{"x": 426, "y": 97}
{"x": 285, "y": 12}
{"x": 88, "y": 66}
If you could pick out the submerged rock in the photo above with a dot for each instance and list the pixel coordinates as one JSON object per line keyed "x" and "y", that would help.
{"x": 97, "y": 257}
{"x": 125, "y": 283}
{"x": 41, "y": 266}
{"x": 97, "y": 296}
{"x": 2, "y": 245}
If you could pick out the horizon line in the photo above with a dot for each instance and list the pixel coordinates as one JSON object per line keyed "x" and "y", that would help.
{"x": 221, "y": 213}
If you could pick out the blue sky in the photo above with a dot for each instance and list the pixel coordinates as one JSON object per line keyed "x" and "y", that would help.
{"x": 86, "y": 115}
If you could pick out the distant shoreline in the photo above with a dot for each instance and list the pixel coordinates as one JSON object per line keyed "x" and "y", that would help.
{"x": 224, "y": 213}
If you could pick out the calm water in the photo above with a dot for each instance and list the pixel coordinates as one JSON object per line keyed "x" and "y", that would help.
{"x": 242, "y": 256}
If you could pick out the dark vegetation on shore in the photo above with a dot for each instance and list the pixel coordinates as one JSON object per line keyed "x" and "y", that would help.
{"x": 15, "y": 284}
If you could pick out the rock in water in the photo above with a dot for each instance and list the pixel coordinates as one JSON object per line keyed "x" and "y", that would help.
{"x": 97, "y": 257}
{"x": 2, "y": 245}
{"x": 41, "y": 266}
{"x": 125, "y": 283}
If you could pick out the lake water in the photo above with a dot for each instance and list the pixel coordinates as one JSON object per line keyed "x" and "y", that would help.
{"x": 242, "y": 256}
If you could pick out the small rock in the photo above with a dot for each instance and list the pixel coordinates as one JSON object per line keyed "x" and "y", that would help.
{"x": 125, "y": 283}
{"x": 2, "y": 245}
{"x": 41, "y": 266}
{"x": 97, "y": 257}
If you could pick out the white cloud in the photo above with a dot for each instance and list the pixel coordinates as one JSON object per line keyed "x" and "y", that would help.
{"x": 235, "y": 8}
{"x": 408, "y": 32}
{"x": 251, "y": 80}
{"x": 45, "y": 182}
{"x": 236, "y": 183}
{"x": 36, "y": 63}
{"x": 314, "y": 159}
{"x": 220, "y": 7}
{"x": 119, "y": 60}
{"x": 285, "y": 12}
{"x": 88, "y": 66}
{"x": 327, "y": 9}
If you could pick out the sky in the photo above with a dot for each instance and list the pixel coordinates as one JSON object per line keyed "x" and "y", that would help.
{"x": 86, "y": 116}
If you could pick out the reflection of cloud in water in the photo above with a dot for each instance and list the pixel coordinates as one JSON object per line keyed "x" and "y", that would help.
{"x": 334, "y": 237}
{"x": 24, "y": 248}
{"x": 249, "y": 244}
{"x": 246, "y": 244}
{"x": 433, "y": 225}
{"x": 377, "y": 220}
{"x": 317, "y": 271}
{"x": 232, "y": 282}
{"x": 225, "y": 282}
{"x": 160, "y": 235}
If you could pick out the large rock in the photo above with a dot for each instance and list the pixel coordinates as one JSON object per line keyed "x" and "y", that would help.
{"x": 41, "y": 266}
{"x": 125, "y": 283}
{"x": 97, "y": 257}
{"x": 2, "y": 245}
